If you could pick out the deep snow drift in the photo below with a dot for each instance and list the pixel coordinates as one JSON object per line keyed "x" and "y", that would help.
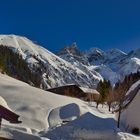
{"x": 45, "y": 115}
{"x": 32, "y": 104}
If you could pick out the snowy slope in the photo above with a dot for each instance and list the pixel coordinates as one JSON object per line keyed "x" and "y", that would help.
{"x": 114, "y": 64}
{"x": 39, "y": 110}
{"x": 134, "y": 53}
{"x": 46, "y": 115}
{"x": 73, "y": 55}
{"x": 78, "y": 59}
{"x": 131, "y": 66}
{"x": 106, "y": 73}
{"x": 55, "y": 71}
{"x": 95, "y": 56}
{"x": 32, "y": 104}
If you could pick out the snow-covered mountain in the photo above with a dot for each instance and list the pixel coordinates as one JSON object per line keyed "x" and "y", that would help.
{"x": 95, "y": 56}
{"x": 134, "y": 53}
{"x": 55, "y": 71}
{"x": 72, "y": 66}
{"x": 45, "y": 115}
{"x": 112, "y": 65}
{"x": 73, "y": 54}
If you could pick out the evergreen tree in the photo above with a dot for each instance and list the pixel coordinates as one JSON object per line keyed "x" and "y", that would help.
{"x": 103, "y": 88}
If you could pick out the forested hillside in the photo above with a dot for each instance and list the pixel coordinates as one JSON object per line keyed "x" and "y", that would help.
{"x": 12, "y": 64}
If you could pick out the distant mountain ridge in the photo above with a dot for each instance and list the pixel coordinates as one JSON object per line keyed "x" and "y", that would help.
{"x": 72, "y": 66}
{"x": 112, "y": 65}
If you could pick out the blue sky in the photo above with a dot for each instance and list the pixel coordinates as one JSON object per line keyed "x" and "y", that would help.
{"x": 91, "y": 23}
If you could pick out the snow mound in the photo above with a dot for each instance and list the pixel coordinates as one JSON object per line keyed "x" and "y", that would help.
{"x": 38, "y": 109}
{"x": 63, "y": 114}
{"x": 91, "y": 122}
{"x": 17, "y": 134}
{"x": 85, "y": 127}
{"x": 32, "y": 104}
{"x": 127, "y": 136}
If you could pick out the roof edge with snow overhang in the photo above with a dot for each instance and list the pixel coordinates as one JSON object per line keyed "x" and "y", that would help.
{"x": 89, "y": 90}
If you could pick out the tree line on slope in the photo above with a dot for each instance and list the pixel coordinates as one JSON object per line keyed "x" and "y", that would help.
{"x": 117, "y": 93}
{"x": 13, "y": 65}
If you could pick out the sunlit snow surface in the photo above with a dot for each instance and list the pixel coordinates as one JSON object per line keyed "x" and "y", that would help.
{"x": 45, "y": 115}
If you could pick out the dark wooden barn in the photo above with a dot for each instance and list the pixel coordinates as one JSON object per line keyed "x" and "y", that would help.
{"x": 86, "y": 94}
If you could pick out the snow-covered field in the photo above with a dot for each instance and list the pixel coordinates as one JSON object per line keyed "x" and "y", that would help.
{"x": 45, "y": 115}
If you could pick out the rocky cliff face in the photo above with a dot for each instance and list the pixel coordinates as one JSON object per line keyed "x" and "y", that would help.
{"x": 54, "y": 71}
{"x": 112, "y": 65}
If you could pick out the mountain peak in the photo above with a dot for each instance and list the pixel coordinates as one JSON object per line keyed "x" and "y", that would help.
{"x": 95, "y": 55}
{"x": 74, "y": 45}
{"x": 12, "y": 36}
{"x": 71, "y": 50}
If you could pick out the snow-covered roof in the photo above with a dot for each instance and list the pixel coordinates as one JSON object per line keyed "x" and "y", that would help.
{"x": 89, "y": 90}
{"x": 67, "y": 85}
{"x": 130, "y": 95}
{"x": 84, "y": 89}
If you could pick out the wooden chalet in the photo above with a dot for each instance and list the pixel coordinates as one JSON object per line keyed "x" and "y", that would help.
{"x": 83, "y": 93}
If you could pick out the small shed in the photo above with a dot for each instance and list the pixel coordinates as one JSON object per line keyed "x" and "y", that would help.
{"x": 130, "y": 114}
{"x": 6, "y": 113}
{"x": 72, "y": 90}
